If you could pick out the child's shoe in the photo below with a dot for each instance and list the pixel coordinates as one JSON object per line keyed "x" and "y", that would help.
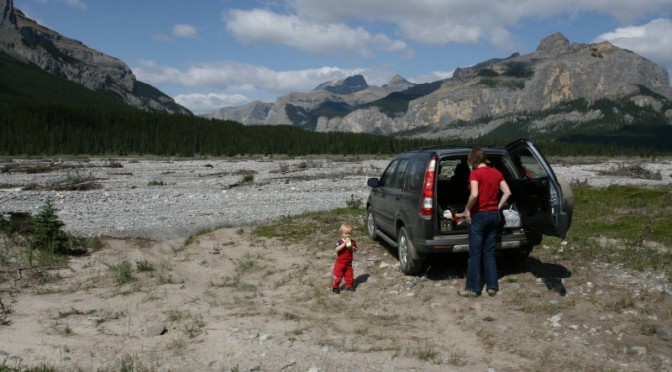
{"x": 336, "y": 290}
{"x": 350, "y": 289}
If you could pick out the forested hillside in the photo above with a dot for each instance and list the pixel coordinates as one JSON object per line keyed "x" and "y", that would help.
{"x": 41, "y": 114}
{"x": 50, "y": 129}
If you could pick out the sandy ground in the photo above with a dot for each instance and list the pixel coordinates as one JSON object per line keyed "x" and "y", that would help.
{"x": 232, "y": 301}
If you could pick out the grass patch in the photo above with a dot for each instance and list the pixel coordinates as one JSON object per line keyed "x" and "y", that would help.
{"x": 144, "y": 265}
{"x": 632, "y": 171}
{"x": 122, "y": 271}
{"x": 312, "y": 225}
{"x": 628, "y": 225}
{"x": 193, "y": 238}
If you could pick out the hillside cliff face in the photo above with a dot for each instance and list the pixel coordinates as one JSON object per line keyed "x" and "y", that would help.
{"x": 479, "y": 99}
{"x": 253, "y": 113}
{"x": 304, "y": 109}
{"x": 26, "y": 40}
{"x": 556, "y": 72}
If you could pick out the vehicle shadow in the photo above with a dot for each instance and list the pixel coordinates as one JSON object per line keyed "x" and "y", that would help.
{"x": 454, "y": 266}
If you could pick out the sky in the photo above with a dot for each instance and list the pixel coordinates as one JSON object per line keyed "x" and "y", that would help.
{"x": 209, "y": 54}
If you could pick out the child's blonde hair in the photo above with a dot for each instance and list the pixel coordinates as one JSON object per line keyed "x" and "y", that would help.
{"x": 345, "y": 228}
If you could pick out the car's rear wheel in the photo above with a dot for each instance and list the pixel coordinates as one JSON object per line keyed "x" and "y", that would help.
{"x": 371, "y": 227}
{"x": 409, "y": 266}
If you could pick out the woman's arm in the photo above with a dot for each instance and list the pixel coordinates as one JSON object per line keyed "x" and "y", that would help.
{"x": 473, "y": 197}
{"x": 506, "y": 193}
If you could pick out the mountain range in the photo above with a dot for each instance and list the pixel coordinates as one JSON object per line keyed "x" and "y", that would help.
{"x": 569, "y": 91}
{"x": 558, "y": 89}
{"x": 29, "y": 42}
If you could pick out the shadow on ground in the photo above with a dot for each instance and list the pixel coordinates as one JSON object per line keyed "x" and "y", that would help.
{"x": 454, "y": 266}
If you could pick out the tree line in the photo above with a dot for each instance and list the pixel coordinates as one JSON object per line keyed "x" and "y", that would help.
{"x": 52, "y": 129}
{"x": 29, "y": 128}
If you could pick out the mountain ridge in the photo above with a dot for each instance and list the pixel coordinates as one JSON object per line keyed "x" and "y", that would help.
{"x": 27, "y": 41}
{"x": 488, "y": 94}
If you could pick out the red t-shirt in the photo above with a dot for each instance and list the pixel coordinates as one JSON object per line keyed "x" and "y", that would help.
{"x": 488, "y": 188}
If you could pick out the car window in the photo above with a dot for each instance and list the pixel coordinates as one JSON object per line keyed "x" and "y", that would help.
{"x": 399, "y": 173}
{"x": 453, "y": 168}
{"x": 387, "y": 176}
{"x": 528, "y": 165}
{"x": 416, "y": 174}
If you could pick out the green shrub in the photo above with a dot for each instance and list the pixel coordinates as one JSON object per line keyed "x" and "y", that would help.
{"x": 47, "y": 234}
{"x": 122, "y": 272}
{"x": 354, "y": 203}
{"x": 144, "y": 265}
{"x": 248, "y": 178}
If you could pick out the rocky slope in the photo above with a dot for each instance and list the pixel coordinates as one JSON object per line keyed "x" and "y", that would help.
{"x": 556, "y": 72}
{"x": 479, "y": 99}
{"x": 28, "y": 41}
{"x": 304, "y": 109}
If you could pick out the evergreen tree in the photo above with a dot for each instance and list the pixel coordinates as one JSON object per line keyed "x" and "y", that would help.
{"x": 47, "y": 235}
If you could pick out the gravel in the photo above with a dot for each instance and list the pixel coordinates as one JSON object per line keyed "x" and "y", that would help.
{"x": 165, "y": 199}
{"x": 171, "y": 199}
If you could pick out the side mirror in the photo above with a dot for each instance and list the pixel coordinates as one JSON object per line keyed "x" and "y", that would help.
{"x": 372, "y": 182}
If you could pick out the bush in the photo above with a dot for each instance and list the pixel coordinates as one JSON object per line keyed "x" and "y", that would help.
{"x": 353, "y": 202}
{"x": 47, "y": 234}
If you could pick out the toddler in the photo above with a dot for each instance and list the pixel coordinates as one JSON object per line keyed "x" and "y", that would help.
{"x": 343, "y": 266}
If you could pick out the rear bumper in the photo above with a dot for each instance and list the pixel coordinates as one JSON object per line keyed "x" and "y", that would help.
{"x": 460, "y": 242}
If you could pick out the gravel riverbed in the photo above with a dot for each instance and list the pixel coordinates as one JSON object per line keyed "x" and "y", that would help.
{"x": 166, "y": 199}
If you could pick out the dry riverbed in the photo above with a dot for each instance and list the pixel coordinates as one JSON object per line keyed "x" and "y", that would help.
{"x": 232, "y": 300}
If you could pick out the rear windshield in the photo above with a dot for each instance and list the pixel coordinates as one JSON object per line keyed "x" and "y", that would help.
{"x": 456, "y": 167}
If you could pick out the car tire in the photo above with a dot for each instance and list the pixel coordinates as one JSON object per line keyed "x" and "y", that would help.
{"x": 409, "y": 266}
{"x": 371, "y": 227}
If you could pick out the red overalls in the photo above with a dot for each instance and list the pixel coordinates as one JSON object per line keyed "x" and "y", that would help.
{"x": 343, "y": 266}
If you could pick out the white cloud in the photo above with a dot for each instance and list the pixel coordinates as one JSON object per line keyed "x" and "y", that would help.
{"x": 76, "y": 4}
{"x": 200, "y": 103}
{"x": 466, "y": 21}
{"x": 230, "y": 75}
{"x": 261, "y": 26}
{"x": 185, "y": 31}
{"x": 652, "y": 40}
{"x": 161, "y": 37}
{"x": 431, "y": 77}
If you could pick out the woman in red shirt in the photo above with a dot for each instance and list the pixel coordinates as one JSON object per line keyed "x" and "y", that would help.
{"x": 482, "y": 215}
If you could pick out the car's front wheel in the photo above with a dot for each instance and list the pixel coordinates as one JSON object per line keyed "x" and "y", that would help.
{"x": 371, "y": 227}
{"x": 409, "y": 266}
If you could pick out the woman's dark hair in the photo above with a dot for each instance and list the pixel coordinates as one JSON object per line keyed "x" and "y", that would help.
{"x": 476, "y": 157}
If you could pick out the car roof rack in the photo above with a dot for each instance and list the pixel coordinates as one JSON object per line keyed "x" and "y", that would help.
{"x": 452, "y": 146}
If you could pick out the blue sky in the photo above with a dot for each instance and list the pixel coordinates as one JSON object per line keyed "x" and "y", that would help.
{"x": 209, "y": 54}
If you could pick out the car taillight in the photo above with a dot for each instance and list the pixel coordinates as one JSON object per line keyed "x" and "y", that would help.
{"x": 427, "y": 206}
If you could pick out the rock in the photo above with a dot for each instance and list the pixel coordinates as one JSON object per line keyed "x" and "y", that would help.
{"x": 665, "y": 333}
{"x": 661, "y": 359}
{"x": 156, "y": 330}
{"x": 639, "y": 351}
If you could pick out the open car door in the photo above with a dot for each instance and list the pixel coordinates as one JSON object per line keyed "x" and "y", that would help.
{"x": 548, "y": 201}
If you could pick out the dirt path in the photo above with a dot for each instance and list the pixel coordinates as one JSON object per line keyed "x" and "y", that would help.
{"x": 234, "y": 302}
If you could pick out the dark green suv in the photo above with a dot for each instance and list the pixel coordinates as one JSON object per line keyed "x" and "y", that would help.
{"x": 412, "y": 206}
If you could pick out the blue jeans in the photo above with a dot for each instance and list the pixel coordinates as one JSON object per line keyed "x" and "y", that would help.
{"x": 483, "y": 231}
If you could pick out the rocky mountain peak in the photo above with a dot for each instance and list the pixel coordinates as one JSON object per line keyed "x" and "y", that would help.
{"x": 26, "y": 40}
{"x": 397, "y": 80}
{"x": 553, "y": 43}
{"x": 348, "y": 85}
